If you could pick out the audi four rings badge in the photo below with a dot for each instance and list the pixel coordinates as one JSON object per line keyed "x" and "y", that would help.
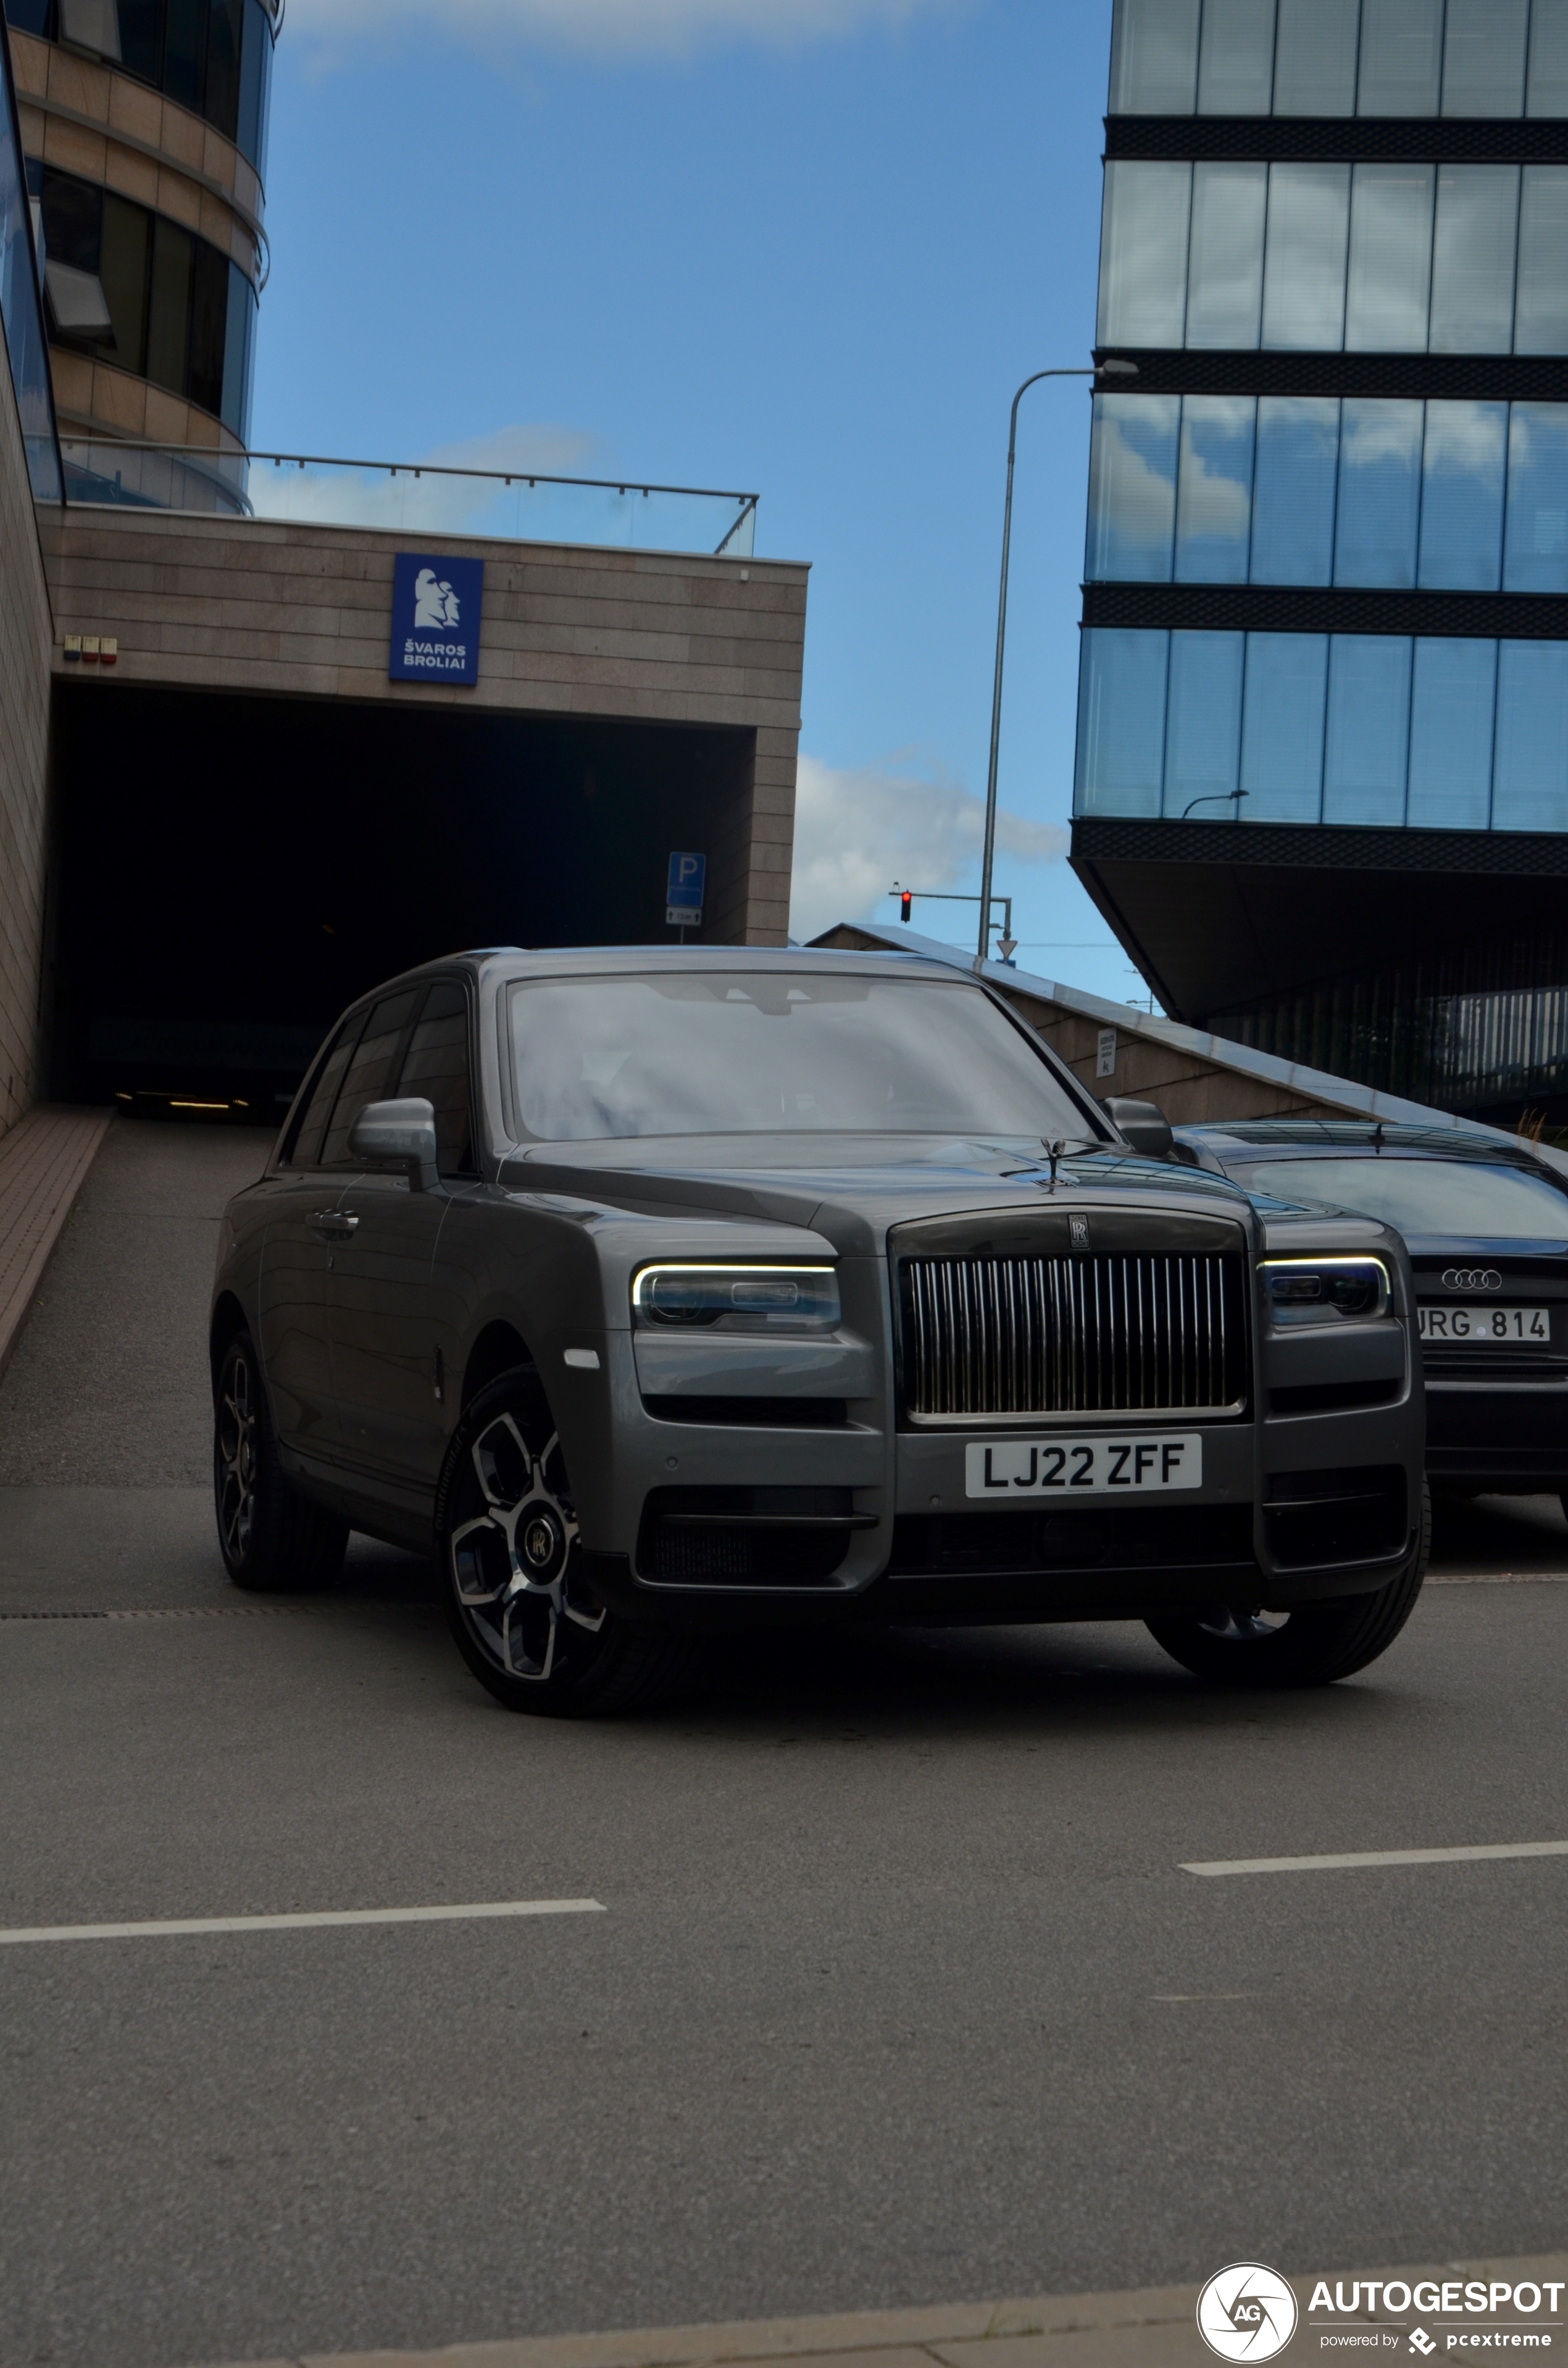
{"x": 1473, "y": 1278}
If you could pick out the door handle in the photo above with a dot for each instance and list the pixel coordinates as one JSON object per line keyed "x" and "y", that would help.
{"x": 333, "y": 1224}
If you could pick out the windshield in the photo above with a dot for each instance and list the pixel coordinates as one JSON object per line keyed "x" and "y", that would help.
{"x": 756, "y": 1051}
{"x": 1422, "y": 1196}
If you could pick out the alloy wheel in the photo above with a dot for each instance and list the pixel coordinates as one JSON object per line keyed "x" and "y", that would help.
{"x": 515, "y": 1564}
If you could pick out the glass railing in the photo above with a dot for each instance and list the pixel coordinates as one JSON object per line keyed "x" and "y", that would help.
{"x": 413, "y": 499}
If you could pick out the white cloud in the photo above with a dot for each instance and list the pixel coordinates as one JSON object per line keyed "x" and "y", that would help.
{"x": 620, "y": 28}
{"x": 858, "y": 829}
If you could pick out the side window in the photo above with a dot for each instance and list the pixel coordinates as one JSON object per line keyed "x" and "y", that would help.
{"x": 436, "y": 1065}
{"x": 370, "y": 1073}
{"x": 305, "y": 1149}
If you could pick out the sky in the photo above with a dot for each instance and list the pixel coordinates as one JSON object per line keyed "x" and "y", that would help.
{"x": 807, "y": 248}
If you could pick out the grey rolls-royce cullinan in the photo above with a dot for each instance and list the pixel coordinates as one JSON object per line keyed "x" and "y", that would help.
{"x": 667, "y": 1290}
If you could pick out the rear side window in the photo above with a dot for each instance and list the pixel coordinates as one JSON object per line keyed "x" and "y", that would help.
{"x": 370, "y": 1073}
{"x": 305, "y": 1149}
{"x": 436, "y": 1065}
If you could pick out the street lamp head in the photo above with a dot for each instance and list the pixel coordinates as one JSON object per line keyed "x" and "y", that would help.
{"x": 1116, "y": 370}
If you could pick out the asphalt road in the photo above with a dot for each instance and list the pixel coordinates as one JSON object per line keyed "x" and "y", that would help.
{"x": 901, "y": 1993}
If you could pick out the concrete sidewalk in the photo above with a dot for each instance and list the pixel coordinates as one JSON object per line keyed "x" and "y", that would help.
{"x": 1148, "y": 2326}
{"x": 43, "y": 1163}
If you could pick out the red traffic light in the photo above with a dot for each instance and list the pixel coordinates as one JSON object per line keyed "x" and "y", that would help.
{"x": 906, "y": 899}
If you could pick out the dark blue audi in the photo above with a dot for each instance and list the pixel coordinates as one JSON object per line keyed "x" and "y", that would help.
{"x": 1486, "y": 1227}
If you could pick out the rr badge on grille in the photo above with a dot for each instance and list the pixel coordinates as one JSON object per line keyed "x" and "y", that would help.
{"x": 1078, "y": 1231}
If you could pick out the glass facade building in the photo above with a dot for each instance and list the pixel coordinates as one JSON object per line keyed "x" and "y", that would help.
{"x": 1322, "y": 737}
{"x": 150, "y": 240}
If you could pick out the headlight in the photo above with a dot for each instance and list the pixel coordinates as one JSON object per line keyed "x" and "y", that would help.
{"x": 1308, "y": 1290}
{"x": 737, "y": 1298}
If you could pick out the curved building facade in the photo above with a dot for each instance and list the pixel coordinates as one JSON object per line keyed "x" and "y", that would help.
{"x": 143, "y": 129}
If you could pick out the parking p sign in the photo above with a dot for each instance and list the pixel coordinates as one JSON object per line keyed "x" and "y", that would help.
{"x": 683, "y": 894}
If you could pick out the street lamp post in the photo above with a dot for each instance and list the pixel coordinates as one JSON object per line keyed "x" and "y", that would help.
{"x": 1104, "y": 369}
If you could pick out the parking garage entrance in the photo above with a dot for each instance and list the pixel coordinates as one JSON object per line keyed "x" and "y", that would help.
{"x": 228, "y": 872}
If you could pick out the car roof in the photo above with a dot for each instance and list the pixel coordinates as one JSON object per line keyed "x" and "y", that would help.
{"x": 1364, "y": 1137}
{"x": 494, "y": 964}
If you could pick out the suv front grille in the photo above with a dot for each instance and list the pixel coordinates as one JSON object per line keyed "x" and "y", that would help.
{"x": 1011, "y": 1338}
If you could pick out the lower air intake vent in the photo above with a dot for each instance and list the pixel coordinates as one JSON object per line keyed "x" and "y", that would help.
{"x": 746, "y": 1537}
{"x": 1353, "y": 1515}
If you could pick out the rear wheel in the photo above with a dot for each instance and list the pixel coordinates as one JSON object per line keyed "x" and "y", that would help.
{"x": 1311, "y": 1648}
{"x": 272, "y": 1538}
{"x": 525, "y": 1619}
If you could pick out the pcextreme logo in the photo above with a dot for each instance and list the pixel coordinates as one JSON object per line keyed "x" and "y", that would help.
{"x": 1247, "y": 2312}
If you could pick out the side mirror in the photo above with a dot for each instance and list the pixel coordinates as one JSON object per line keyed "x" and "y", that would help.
{"x": 400, "y": 1135}
{"x": 1143, "y": 1125}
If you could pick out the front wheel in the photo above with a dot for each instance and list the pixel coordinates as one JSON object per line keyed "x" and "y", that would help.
{"x": 1311, "y": 1648}
{"x": 523, "y": 1617}
{"x": 272, "y": 1538}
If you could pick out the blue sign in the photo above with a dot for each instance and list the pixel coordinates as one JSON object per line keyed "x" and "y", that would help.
{"x": 682, "y": 895}
{"x": 435, "y": 619}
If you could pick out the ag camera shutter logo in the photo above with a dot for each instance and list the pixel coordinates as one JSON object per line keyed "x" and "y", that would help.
{"x": 1247, "y": 2312}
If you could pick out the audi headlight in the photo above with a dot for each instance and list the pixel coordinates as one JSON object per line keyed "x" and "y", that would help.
{"x": 1306, "y": 1291}
{"x": 737, "y": 1298}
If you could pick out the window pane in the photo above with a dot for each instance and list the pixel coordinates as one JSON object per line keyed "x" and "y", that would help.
{"x": 73, "y": 221}
{"x": 1225, "y": 274}
{"x": 1390, "y": 258}
{"x": 1401, "y": 56}
{"x": 1303, "y": 280}
{"x": 436, "y": 1065}
{"x": 255, "y": 68}
{"x": 1547, "y": 92}
{"x": 221, "y": 90}
{"x": 209, "y": 318}
{"x": 1153, "y": 57}
{"x": 1472, "y": 266}
{"x": 1282, "y": 718}
{"x": 1235, "y": 71}
{"x": 1314, "y": 57}
{"x": 238, "y": 350}
{"x": 182, "y": 52}
{"x": 1121, "y": 722}
{"x": 1380, "y": 494}
{"x": 1203, "y": 725}
{"x": 168, "y": 314}
{"x": 306, "y": 1149}
{"x": 1214, "y": 511}
{"x": 1461, "y": 497}
{"x": 370, "y": 1072}
{"x": 123, "y": 271}
{"x": 1132, "y": 475}
{"x": 1143, "y": 254}
{"x": 1530, "y": 777}
{"x": 1293, "y": 523}
{"x": 142, "y": 38}
{"x": 1484, "y": 57}
{"x": 1451, "y": 735}
{"x": 1541, "y": 313}
{"x": 1368, "y": 720}
{"x": 1538, "y": 499}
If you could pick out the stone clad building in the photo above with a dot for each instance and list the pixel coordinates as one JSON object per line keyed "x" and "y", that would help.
{"x": 220, "y": 817}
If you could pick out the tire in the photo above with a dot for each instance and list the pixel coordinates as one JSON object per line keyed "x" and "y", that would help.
{"x": 1311, "y": 1648}
{"x": 272, "y": 1539}
{"x": 522, "y": 1616}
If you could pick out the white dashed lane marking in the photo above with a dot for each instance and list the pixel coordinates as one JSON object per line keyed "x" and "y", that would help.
{"x": 173, "y": 1927}
{"x": 1328, "y": 1863}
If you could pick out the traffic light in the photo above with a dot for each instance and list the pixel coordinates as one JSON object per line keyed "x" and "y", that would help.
{"x": 906, "y": 899}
